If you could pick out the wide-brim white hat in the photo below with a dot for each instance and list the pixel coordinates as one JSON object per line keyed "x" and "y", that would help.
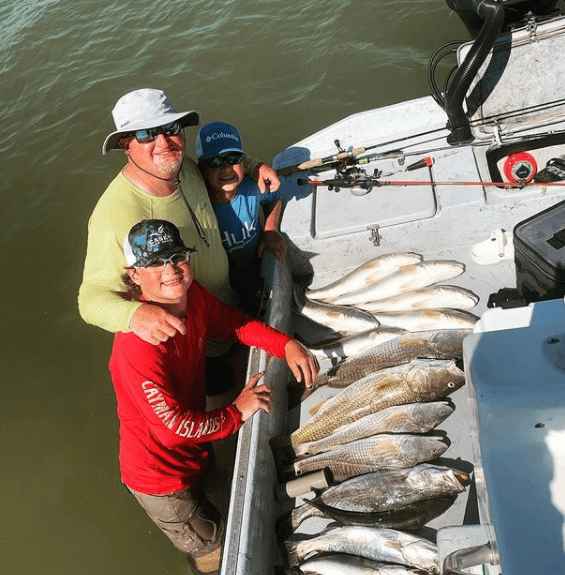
{"x": 142, "y": 109}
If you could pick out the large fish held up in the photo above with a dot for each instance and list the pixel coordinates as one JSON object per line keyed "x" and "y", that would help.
{"x": 338, "y": 318}
{"x": 408, "y": 418}
{"x": 366, "y": 274}
{"x": 435, "y": 344}
{"x": 379, "y": 492}
{"x": 384, "y": 451}
{"x": 343, "y": 564}
{"x": 373, "y": 543}
{"x": 405, "y": 279}
{"x": 416, "y": 381}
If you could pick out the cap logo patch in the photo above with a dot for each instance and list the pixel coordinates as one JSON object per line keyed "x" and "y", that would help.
{"x": 219, "y": 135}
{"x": 161, "y": 236}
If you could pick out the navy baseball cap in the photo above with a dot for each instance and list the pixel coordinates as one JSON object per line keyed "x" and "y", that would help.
{"x": 217, "y": 138}
{"x": 149, "y": 240}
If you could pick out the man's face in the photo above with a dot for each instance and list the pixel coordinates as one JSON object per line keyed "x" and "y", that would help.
{"x": 161, "y": 157}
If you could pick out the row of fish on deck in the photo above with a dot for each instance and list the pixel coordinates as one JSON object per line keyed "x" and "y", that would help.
{"x": 400, "y": 334}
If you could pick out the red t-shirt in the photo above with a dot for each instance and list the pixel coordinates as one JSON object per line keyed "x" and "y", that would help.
{"x": 164, "y": 428}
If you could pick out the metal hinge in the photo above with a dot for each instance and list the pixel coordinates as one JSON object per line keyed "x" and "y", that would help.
{"x": 374, "y": 237}
{"x": 532, "y": 27}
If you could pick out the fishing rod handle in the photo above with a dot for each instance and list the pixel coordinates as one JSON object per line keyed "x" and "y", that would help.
{"x": 309, "y": 164}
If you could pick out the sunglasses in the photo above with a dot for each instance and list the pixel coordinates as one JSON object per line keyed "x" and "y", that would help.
{"x": 160, "y": 264}
{"x": 216, "y": 162}
{"x": 150, "y": 134}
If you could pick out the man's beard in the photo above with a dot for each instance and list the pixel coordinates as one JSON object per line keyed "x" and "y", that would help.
{"x": 169, "y": 165}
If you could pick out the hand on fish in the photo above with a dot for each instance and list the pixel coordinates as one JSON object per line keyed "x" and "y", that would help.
{"x": 302, "y": 363}
{"x": 275, "y": 243}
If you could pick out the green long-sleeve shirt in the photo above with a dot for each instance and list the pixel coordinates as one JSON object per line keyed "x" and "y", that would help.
{"x": 122, "y": 205}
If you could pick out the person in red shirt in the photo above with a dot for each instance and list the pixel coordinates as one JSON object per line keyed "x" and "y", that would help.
{"x": 165, "y": 430}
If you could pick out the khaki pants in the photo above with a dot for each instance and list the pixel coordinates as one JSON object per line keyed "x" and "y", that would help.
{"x": 187, "y": 518}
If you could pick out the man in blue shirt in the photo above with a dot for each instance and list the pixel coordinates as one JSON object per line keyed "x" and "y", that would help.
{"x": 248, "y": 219}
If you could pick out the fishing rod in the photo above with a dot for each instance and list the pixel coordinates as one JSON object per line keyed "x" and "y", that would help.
{"x": 350, "y": 157}
{"x": 368, "y": 182}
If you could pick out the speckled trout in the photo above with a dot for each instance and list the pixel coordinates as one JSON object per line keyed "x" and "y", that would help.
{"x": 381, "y": 491}
{"x": 366, "y": 274}
{"x": 372, "y": 543}
{"x": 405, "y": 279}
{"x": 408, "y": 418}
{"x": 384, "y": 451}
{"x": 417, "y": 381}
{"x": 434, "y": 344}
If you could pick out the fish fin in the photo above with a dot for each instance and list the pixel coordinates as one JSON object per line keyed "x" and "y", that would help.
{"x": 292, "y": 552}
{"x": 317, "y": 407}
{"x": 462, "y": 477}
{"x": 319, "y": 505}
{"x": 332, "y": 372}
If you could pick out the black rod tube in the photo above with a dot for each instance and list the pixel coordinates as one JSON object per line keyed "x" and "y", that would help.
{"x": 493, "y": 16}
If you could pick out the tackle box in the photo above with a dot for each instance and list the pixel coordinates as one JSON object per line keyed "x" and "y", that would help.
{"x": 539, "y": 254}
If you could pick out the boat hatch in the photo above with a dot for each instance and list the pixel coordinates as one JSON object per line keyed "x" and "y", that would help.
{"x": 500, "y": 99}
{"x": 382, "y": 207}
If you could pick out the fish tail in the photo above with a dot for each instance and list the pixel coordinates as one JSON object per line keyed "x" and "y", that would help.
{"x": 283, "y": 453}
{"x": 292, "y": 552}
{"x": 298, "y": 337}
{"x": 281, "y": 444}
{"x": 297, "y": 393}
{"x": 286, "y": 471}
{"x": 322, "y": 379}
{"x": 284, "y": 526}
{"x": 299, "y": 296}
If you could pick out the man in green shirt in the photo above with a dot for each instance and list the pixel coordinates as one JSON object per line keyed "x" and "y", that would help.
{"x": 158, "y": 181}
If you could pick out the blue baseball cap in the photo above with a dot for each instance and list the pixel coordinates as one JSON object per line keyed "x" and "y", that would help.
{"x": 149, "y": 240}
{"x": 217, "y": 138}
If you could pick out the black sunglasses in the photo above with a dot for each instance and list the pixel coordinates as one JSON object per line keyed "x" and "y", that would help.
{"x": 216, "y": 162}
{"x": 150, "y": 134}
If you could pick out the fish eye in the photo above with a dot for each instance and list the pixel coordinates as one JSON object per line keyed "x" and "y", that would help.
{"x": 451, "y": 384}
